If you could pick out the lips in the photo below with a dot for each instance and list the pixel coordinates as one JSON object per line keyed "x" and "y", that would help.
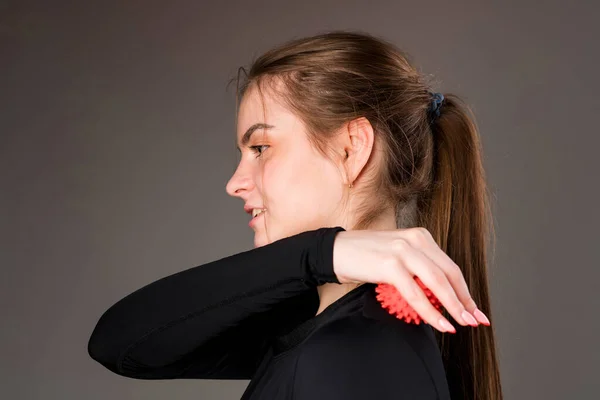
{"x": 248, "y": 208}
{"x": 253, "y": 220}
{"x": 257, "y": 212}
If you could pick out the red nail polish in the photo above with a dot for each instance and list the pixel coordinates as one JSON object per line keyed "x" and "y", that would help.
{"x": 447, "y": 325}
{"x": 481, "y": 317}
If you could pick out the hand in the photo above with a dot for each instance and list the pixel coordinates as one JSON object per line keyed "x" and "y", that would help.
{"x": 395, "y": 257}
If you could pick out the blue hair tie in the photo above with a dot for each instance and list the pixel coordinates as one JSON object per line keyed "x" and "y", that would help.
{"x": 436, "y": 105}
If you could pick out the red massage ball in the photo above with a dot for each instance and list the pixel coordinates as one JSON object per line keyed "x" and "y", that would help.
{"x": 392, "y": 300}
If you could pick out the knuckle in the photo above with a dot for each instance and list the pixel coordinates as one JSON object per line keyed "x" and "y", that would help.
{"x": 400, "y": 244}
{"x": 470, "y": 304}
{"x": 412, "y": 297}
{"x": 438, "y": 277}
{"x": 422, "y": 231}
{"x": 455, "y": 272}
{"x": 421, "y": 235}
{"x": 430, "y": 315}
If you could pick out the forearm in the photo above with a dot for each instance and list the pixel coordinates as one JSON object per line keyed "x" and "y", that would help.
{"x": 167, "y": 321}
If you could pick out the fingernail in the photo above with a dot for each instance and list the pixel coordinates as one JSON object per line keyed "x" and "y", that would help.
{"x": 469, "y": 318}
{"x": 481, "y": 317}
{"x": 447, "y": 325}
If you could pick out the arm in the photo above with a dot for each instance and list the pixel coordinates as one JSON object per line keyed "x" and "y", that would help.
{"x": 212, "y": 321}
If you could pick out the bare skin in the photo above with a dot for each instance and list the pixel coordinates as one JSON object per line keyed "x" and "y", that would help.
{"x": 301, "y": 190}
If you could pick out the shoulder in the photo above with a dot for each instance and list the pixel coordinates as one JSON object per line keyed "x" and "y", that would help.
{"x": 404, "y": 345}
{"x": 359, "y": 355}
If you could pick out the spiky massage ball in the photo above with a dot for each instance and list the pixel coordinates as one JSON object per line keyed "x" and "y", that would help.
{"x": 391, "y": 299}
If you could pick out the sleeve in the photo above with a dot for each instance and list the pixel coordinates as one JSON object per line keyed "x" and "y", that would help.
{"x": 212, "y": 321}
{"x": 358, "y": 364}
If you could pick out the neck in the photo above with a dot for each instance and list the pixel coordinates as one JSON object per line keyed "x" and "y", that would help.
{"x": 330, "y": 292}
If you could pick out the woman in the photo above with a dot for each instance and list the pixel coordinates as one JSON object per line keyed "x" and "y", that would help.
{"x": 342, "y": 143}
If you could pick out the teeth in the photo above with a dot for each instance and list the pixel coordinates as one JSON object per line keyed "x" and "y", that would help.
{"x": 257, "y": 211}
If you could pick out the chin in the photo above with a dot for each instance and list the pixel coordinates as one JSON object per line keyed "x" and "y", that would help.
{"x": 258, "y": 240}
{"x": 261, "y": 239}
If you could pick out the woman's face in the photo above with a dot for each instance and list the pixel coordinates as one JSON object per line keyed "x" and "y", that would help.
{"x": 299, "y": 188}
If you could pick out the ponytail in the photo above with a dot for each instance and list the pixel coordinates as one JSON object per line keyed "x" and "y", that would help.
{"x": 457, "y": 213}
{"x": 331, "y": 78}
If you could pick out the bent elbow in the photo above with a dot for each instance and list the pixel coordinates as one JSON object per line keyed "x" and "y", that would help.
{"x": 102, "y": 350}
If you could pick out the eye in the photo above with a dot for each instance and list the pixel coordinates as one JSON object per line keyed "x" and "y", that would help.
{"x": 256, "y": 149}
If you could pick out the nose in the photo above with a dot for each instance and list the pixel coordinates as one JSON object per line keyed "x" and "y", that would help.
{"x": 239, "y": 184}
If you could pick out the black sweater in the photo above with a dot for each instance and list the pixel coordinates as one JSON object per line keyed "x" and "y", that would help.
{"x": 252, "y": 316}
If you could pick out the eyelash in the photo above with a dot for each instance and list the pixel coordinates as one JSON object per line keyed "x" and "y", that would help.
{"x": 255, "y": 149}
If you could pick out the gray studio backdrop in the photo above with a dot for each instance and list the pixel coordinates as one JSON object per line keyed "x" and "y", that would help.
{"x": 117, "y": 138}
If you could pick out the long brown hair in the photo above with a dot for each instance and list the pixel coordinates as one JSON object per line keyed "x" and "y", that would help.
{"x": 432, "y": 172}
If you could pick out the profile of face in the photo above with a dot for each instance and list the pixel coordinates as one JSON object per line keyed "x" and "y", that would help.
{"x": 280, "y": 170}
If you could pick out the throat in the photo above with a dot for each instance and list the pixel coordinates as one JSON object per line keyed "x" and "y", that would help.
{"x": 330, "y": 292}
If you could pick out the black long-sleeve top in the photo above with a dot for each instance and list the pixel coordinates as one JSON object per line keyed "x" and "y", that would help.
{"x": 252, "y": 316}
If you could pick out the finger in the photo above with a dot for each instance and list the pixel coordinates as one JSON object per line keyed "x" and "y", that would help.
{"x": 416, "y": 298}
{"x": 457, "y": 281}
{"x": 436, "y": 280}
{"x": 421, "y": 239}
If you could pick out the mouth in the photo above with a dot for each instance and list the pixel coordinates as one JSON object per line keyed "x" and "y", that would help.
{"x": 254, "y": 219}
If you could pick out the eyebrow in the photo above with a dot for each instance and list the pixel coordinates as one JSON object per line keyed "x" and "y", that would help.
{"x": 246, "y": 137}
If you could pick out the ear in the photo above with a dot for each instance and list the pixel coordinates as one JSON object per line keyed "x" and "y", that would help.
{"x": 358, "y": 139}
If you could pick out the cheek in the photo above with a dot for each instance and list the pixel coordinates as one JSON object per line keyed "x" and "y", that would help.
{"x": 301, "y": 195}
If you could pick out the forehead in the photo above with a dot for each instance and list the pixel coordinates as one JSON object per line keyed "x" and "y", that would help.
{"x": 257, "y": 105}
{"x": 252, "y": 106}
{"x": 262, "y": 107}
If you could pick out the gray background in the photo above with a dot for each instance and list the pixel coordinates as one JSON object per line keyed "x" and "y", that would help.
{"x": 117, "y": 138}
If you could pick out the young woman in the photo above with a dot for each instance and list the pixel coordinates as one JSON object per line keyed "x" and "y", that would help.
{"x": 355, "y": 173}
